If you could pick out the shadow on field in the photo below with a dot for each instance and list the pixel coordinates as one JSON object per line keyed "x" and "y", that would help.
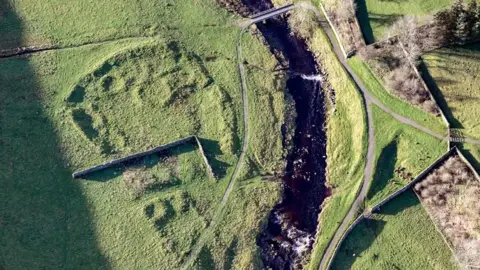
{"x": 212, "y": 150}
{"x": 399, "y": 203}
{"x": 204, "y": 260}
{"x": 364, "y": 21}
{"x": 45, "y": 222}
{"x": 437, "y": 93}
{"x": 385, "y": 168}
{"x": 230, "y": 254}
{"x": 359, "y": 240}
{"x": 383, "y": 19}
{"x": 469, "y": 156}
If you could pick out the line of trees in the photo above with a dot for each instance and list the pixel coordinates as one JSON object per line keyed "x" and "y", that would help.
{"x": 459, "y": 24}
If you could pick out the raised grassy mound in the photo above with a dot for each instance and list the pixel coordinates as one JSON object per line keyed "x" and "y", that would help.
{"x": 146, "y": 87}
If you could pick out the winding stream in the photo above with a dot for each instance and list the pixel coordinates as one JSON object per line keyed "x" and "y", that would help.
{"x": 292, "y": 224}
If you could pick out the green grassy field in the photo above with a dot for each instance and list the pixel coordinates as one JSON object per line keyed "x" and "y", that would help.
{"x": 401, "y": 236}
{"x": 392, "y": 102}
{"x": 376, "y": 16}
{"x": 230, "y": 246}
{"x": 455, "y": 73}
{"x": 346, "y": 145}
{"x": 68, "y": 109}
{"x": 399, "y": 146}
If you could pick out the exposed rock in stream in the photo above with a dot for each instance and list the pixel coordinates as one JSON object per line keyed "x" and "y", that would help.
{"x": 292, "y": 224}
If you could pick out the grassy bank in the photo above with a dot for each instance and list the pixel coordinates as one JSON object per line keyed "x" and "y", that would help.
{"x": 401, "y": 153}
{"x": 454, "y": 72}
{"x": 72, "y": 108}
{"x": 346, "y": 146}
{"x": 375, "y": 87}
{"x": 401, "y": 236}
{"x": 376, "y": 16}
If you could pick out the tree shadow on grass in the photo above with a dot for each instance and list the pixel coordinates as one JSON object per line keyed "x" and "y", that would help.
{"x": 204, "y": 260}
{"x": 382, "y": 20}
{"x": 384, "y": 171}
{"x": 230, "y": 254}
{"x": 439, "y": 97}
{"x": 45, "y": 221}
{"x": 364, "y": 21}
{"x": 357, "y": 242}
{"x": 398, "y": 204}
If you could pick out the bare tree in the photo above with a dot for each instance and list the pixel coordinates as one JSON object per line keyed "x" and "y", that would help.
{"x": 406, "y": 30}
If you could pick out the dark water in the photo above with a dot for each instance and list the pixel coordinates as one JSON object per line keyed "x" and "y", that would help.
{"x": 293, "y": 222}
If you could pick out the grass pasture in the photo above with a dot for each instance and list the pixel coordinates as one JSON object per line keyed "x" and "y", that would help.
{"x": 397, "y": 105}
{"x": 454, "y": 72}
{"x": 401, "y": 236}
{"x": 72, "y": 108}
{"x": 376, "y": 16}
{"x": 399, "y": 146}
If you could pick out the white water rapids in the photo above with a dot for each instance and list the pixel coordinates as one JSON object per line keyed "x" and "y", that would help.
{"x": 315, "y": 77}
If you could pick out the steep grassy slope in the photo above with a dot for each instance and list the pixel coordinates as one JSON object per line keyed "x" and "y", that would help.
{"x": 68, "y": 109}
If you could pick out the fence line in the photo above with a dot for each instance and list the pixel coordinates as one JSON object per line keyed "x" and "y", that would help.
{"x": 418, "y": 178}
{"x": 161, "y": 148}
{"x": 469, "y": 165}
{"x": 202, "y": 153}
{"x": 415, "y": 69}
{"x": 401, "y": 190}
{"x": 345, "y": 234}
{"x": 449, "y": 245}
{"x": 334, "y": 31}
{"x": 447, "y": 242}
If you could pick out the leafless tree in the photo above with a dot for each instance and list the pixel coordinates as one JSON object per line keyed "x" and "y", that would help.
{"x": 406, "y": 31}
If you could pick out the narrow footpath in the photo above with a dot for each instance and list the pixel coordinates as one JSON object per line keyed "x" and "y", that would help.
{"x": 233, "y": 179}
{"x": 369, "y": 99}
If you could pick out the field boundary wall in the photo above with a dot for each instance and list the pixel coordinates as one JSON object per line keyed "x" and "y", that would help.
{"x": 345, "y": 234}
{"x": 418, "y": 178}
{"x": 118, "y": 161}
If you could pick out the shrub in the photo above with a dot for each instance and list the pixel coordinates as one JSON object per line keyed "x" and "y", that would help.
{"x": 452, "y": 197}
